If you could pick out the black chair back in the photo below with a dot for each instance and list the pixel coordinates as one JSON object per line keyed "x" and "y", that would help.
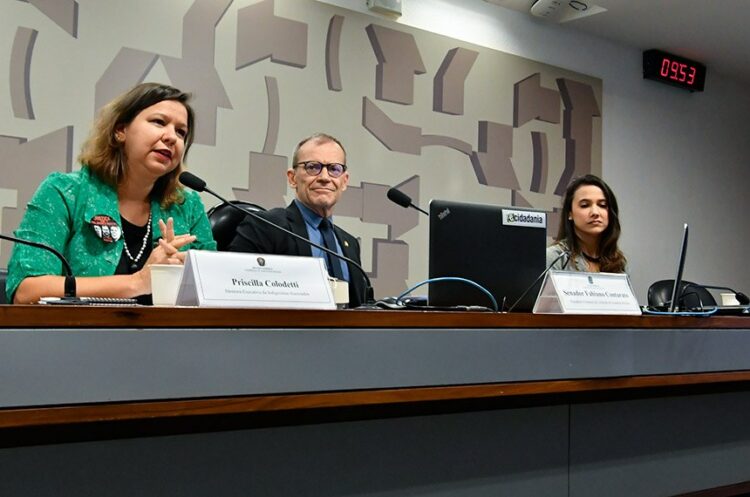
{"x": 3, "y": 278}
{"x": 224, "y": 220}
{"x": 693, "y": 296}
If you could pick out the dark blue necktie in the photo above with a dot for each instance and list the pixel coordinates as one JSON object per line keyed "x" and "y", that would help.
{"x": 334, "y": 264}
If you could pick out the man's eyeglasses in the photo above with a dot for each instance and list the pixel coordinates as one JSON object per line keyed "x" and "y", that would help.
{"x": 313, "y": 168}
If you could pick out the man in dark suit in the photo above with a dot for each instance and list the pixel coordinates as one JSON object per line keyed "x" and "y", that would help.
{"x": 318, "y": 175}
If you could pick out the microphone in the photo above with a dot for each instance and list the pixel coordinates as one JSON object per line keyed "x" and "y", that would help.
{"x": 70, "y": 281}
{"x": 195, "y": 183}
{"x": 540, "y": 277}
{"x": 402, "y": 199}
{"x": 741, "y": 297}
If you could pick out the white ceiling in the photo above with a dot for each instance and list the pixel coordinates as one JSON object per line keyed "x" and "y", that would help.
{"x": 713, "y": 32}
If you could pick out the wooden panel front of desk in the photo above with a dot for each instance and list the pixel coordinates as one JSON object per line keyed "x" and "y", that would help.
{"x": 368, "y": 403}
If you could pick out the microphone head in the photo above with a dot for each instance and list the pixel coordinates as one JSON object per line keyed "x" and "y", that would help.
{"x": 192, "y": 181}
{"x": 399, "y": 197}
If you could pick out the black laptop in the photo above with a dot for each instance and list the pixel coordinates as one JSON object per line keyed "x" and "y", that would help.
{"x": 500, "y": 248}
{"x": 678, "y": 289}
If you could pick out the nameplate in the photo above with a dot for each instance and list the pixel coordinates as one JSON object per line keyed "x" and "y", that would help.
{"x": 231, "y": 279}
{"x": 572, "y": 292}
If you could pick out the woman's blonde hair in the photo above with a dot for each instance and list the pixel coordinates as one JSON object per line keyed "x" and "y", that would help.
{"x": 104, "y": 154}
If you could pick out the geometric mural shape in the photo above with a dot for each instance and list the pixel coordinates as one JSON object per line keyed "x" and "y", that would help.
{"x": 410, "y": 219}
{"x": 492, "y": 164}
{"x": 448, "y": 92}
{"x": 390, "y": 266}
{"x": 402, "y": 137}
{"x": 129, "y": 68}
{"x": 540, "y": 158}
{"x": 64, "y": 13}
{"x": 267, "y": 183}
{"x": 26, "y": 164}
{"x": 333, "y": 43}
{"x": 378, "y": 209}
{"x": 351, "y": 203}
{"x": 531, "y": 101}
{"x": 20, "y": 73}
{"x": 578, "y": 129}
{"x": 260, "y": 35}
{"x": 274, "y": 116}
{"x": 396, "y": 137}
{"x": 194, "y": 72}
{"x": 448, "y": 142}
{"x": 398, "y": 61}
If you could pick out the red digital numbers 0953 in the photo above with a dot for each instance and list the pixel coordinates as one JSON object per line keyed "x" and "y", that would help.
{"x": 677, "y": 71}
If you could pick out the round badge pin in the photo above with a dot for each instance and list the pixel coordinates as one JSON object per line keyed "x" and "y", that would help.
{"x": 106, "y": 228}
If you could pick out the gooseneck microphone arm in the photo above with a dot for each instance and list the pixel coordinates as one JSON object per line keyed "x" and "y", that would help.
{"x": 195, "y": 183}
{"x": 541, "y": 275}
{"x": 741, "y": 297}
{"x": 402, "y": 199}
{"x": 70, "y": 281}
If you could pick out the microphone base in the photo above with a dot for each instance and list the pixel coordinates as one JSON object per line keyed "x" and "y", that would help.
{"x": 369, "y": 303}
{"x": 67, "y": 300}
{"x": 368, "y": 306}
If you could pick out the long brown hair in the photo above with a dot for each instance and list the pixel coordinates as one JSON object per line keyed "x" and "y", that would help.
{"x": 611, "y": 258}
{"x": 105, "y": 156}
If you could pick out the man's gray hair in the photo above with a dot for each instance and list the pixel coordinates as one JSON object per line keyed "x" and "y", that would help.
{"x": 319, "y": 138}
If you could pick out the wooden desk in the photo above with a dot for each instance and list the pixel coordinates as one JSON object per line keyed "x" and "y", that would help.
{"x": 371, "y": 401}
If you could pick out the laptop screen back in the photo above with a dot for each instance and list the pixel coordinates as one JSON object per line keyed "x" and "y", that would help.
{"x": 501, "y": 248}
{"x": 677, "y": 288}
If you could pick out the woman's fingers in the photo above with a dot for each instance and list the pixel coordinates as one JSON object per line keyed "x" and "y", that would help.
{"x": 179, "y": 258}
{"x": 182, "y": 240}
{"x": 168, "y": 247}
{"x": 167, "y": 251}
{"x": 167, "y": 229}
{"x": 171, "y": 250}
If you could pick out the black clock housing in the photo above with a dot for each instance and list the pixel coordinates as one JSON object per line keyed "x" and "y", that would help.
{"x": 674, "y": 70}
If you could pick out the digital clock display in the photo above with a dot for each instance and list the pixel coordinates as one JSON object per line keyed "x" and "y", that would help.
{"x": 674, "y": 70}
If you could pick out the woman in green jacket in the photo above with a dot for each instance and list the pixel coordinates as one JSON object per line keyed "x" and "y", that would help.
{"x": 123, "y": 211}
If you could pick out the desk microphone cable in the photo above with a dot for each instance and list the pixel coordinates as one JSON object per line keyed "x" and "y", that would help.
{"x": 697, "y": 314}
{"x": 452, "y": 278}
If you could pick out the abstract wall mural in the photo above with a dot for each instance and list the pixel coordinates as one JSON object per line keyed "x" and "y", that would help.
{"x": 434, "y": 116}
